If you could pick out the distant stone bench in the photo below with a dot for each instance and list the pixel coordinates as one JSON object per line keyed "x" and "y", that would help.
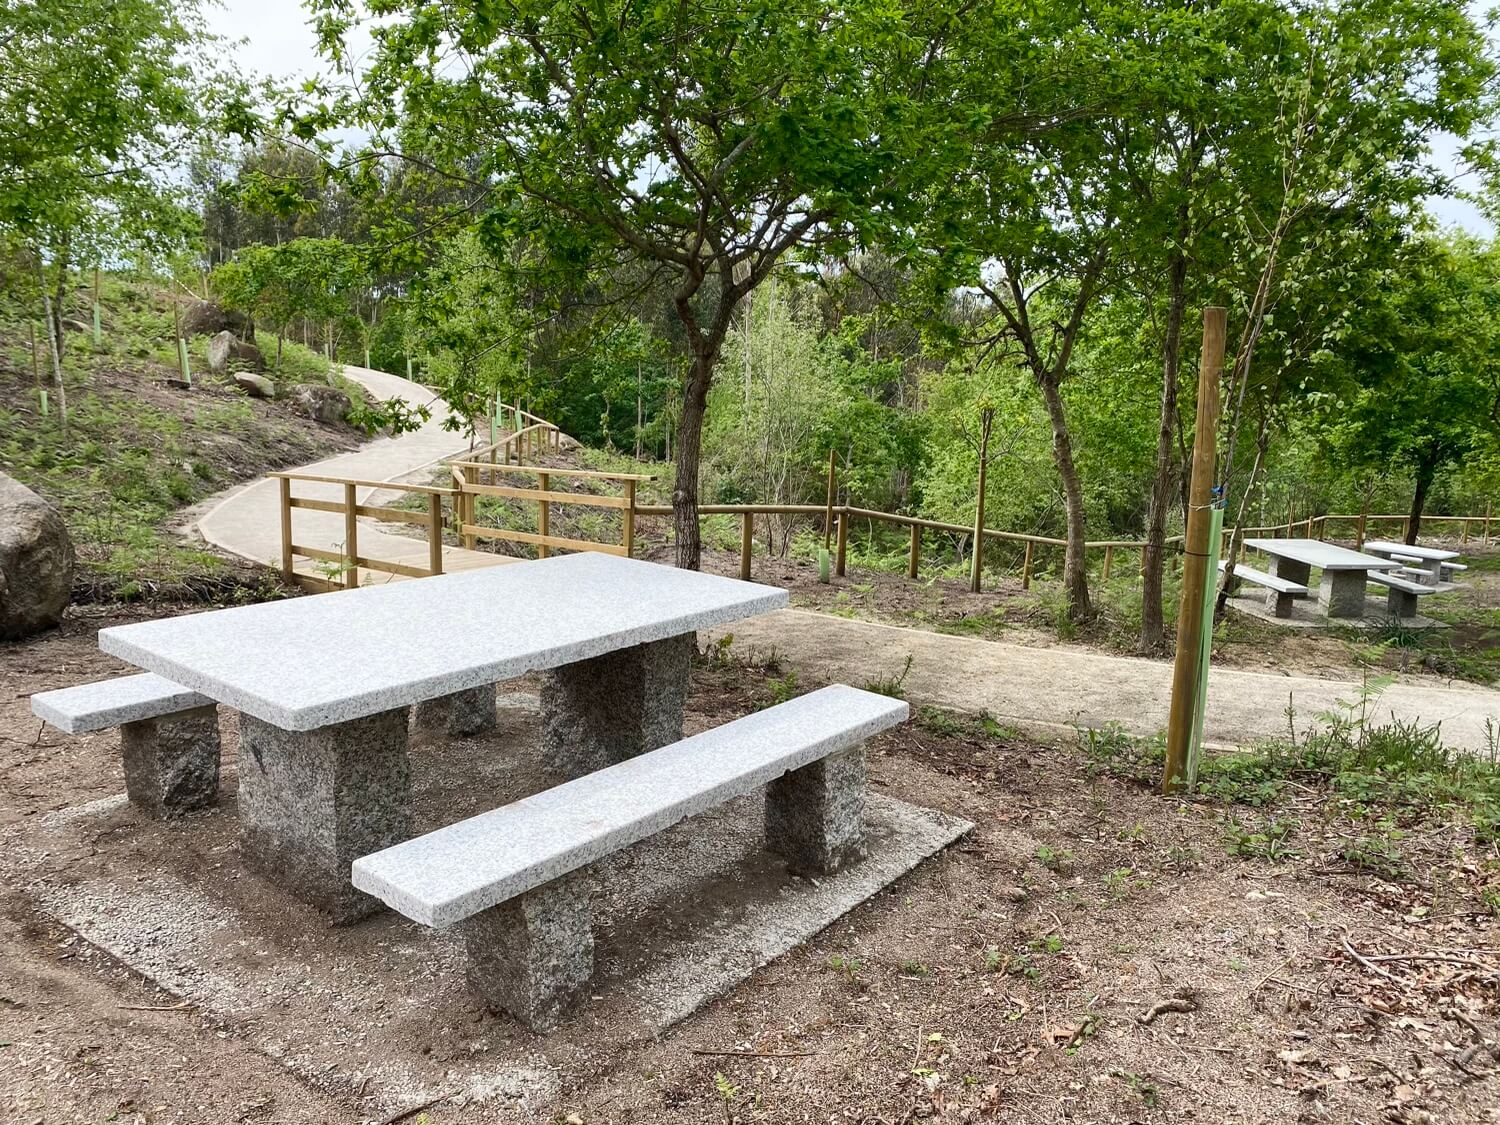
{"x": 1451, "y": 568}
{"x": 1281, "y": 592}
{"x": 169, "y": 736}
{"x": 1402, "y": 599}
{"x": 506, "y": 876}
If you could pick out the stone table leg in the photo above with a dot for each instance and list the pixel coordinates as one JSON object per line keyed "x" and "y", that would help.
{"x": 1291, "y": 570}
{"x": 815, "y": 815}
{"x": 462, "y": 714}
{"x": 1342, "y": 593}
{"x": 1279, "y": 604}
{"x": 1401, "y": 603}
{"x": 533, "y": 955}
{"x": 172, "y": 761}
{"x": 601, "y": 711}
{"x": 311, "y": 802}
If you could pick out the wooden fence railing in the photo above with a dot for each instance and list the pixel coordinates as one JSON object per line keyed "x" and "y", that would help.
{"x": 469, "y": 484}
{"x": 1316, "y": 527}
{"x": 347, "y": 564}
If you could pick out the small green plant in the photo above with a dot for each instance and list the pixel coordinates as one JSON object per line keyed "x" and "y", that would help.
{"x": 1054, "y": 859}
{"x": 993, "y": 960}
{"x": 850, "y": 966}
{"x": 1147, "y": 1091}
{"x": 1378, "y": 852}
{"x": 914, "y": 969}
{"x": 1047, "y": 943}
{"x": 727, "y": 1091}
{"x": 784, "y": 688}
{"x": 892, "y": 686}
{"x": 1268, "y": 841}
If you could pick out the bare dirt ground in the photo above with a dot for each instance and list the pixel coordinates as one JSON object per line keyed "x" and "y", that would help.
{"x": 1092, "y": 952}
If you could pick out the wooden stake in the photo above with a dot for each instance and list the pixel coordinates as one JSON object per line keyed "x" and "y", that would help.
{"x": 629, "y": 539}
{"x": 747, "y": 543}
{"x": 351, "y": 536}
{"x": 57, "y": 371}
{"x": 843, "y": 543}
{"x": 1195, "y": 554}
{"x": 828, "y": 509}
{"x": 976, "y": 564}
{"x": 36, "y": 371}
{"x": 435, "y": 532}
{"x": 1026, "y": 566}
{"x": 286, "y": 529}
{"x": 1488, "y": 508}
{"x": 544, "y": 514}
{"x": 914, "y": 554}
{"x": 1109, "y": 558}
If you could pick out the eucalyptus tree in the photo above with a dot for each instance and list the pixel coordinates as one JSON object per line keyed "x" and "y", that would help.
{"x": 702, "y": 141}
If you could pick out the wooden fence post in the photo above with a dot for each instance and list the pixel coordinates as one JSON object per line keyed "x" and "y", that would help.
{"x": 1464, "y": 535}
{"x": 843, "y": 543}
{"x": 747, "y": 543}
{"x": 1026, "y": 567}
{"x": 828, "y": 508}
{"x": 543, "y": 515}
{"x": 1109, "y": 558}
{"x": 1359, "y": 530}
{"x": 286, "y": 529}
{"x": 1488, "y": 508}
{"x": 435, "y": 532}
{"x": 976, "y": 567}
{"x": 629, "y": 537}
{"x": 351, "y": 536}
{"x": 471, "y": 476}
{"x": 914, "y": 554}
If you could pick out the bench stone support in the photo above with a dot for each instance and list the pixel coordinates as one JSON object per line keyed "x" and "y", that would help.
{"x": 172, "y": 761}
{"x": 311, "y": 802}
{"x": 601, "y": 711}
{"x": 461, "y": 714}
{"x": 1401, "y": 603}
{"x": 1278, "y": 603}
{"x": 533, "y": 955}
{"x": 1342, "y": 593}
{"x": 1291, "y": 569}
{"x": 815, "y": 815}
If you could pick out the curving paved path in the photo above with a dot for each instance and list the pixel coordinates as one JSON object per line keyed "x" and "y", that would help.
{"x": 1045, "y": 689}
{"x": 247, "y": 522}
{"x": 1058, "y": 690}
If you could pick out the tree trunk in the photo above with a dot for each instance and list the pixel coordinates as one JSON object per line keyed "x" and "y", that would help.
{"x": 1426, "y": 470}
{"x": 689, "y": 449}
{"x": 1075, "y": 571}
{"x": 1153, "y": 557}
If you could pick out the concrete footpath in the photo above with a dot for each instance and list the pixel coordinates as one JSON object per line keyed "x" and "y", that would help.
{"x": 1056, "y": 690}
{"x": 247, "y": 522}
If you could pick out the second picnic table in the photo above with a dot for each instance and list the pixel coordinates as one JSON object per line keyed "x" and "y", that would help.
{"x": 1346, "y": 573}
{"x": 323, "y": 686}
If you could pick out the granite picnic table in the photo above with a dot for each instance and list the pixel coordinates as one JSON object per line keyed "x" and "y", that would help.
{"x": 1435, "y": 555}
{"x": 324, "y": 685}
{"x": 1346, "y": 573}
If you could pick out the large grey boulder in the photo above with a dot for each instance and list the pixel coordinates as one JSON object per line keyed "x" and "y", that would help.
{"x": 256, "y": 386}
{"x": 36, "y": 562}
{"x": 204, "y": 318}
{"x": 322, "y": 404}
{"x": 227, "y": 349}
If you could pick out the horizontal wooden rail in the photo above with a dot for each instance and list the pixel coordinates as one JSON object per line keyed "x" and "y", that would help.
{"x": 582, "y": 499}
{"x": 387, "y": 485}
{"x": 361, "y": 561}
{"x": 482, "y": 532}
{"x": 388, "y": 515}
{"x": 535, "y": 470}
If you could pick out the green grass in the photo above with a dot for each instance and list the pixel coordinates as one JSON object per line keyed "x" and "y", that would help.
{"x": 135, "y": 453}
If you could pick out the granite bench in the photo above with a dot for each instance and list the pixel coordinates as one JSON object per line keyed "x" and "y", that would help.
{"x": 509, "y": 878}
{"x": 1449, "y": 569}
{"x": 1281, "y": 592}
{"x": 169, "y": 737}
{"x": 1402, "y": 599}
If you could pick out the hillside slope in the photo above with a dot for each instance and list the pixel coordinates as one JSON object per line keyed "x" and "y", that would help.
{"x": 137, "y": 450}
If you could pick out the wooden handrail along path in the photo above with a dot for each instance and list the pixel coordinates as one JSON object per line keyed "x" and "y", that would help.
{"x": 480, "y": 473}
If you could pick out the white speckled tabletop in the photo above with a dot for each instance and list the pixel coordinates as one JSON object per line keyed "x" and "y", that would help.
{"x": 308, "y": 662}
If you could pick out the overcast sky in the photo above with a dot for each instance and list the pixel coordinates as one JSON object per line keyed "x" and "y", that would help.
{"x": 279, "y": 43}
